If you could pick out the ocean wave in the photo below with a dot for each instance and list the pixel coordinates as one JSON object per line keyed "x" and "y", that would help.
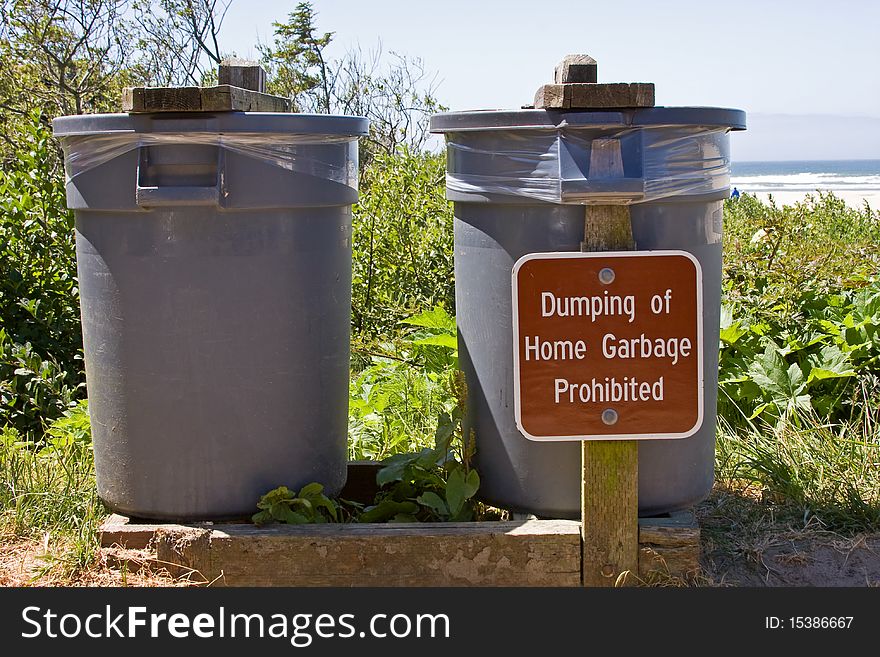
{"x": 810, "y": 178}
{"x": 806, "y": 182}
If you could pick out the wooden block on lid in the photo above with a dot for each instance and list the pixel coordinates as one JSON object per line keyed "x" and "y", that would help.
{"x": 612, "y": 95}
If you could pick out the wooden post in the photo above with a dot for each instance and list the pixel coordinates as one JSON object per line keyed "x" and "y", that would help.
{"x": 575, "y": 69}
{"x": 242, "y": 73}
{"x": 610, "y": 480}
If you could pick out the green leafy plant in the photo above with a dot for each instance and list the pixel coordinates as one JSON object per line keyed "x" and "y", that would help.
{"x": 423, "y": 487}
{"x": 309, "y": 505}
{"x": 403, "y": 387}
{"x": 433, "y": 484}
{"x": 769, "y": 370}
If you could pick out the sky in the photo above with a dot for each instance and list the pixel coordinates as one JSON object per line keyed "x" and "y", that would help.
{"x": 806, "y": 72}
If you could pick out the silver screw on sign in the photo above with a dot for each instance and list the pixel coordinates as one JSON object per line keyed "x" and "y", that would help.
{"x": 609, "y": 416}
{"x": 606, "y": 276}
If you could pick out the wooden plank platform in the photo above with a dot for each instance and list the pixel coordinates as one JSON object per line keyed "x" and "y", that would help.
{"x": 222, "y": 98}
{"x": 521, "y": 552}
{"x": 516, "y": 553}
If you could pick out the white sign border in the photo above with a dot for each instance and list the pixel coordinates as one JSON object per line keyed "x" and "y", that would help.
{"x": 517, "y": 406}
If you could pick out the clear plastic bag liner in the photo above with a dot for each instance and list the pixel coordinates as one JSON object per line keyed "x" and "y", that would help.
{"x": 669, "y": 161}
{"x": 315, "y": 155}
{"x": 520, "y": 166}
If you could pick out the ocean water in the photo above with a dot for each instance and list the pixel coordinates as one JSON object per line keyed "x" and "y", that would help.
{"x": 859, "y": 176}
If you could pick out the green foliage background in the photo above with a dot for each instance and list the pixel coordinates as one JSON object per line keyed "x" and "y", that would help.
{"x": 41, "y": 366}
{"x": 801, "y": 321}
{"x": 402, "y": 243}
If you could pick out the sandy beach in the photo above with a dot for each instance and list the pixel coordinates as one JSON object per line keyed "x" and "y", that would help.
{"x": 853, "y": 199}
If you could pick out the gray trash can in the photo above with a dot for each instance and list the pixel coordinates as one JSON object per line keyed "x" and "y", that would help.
{"x": 519, "y": 181}
{"x": 214, "y": 260}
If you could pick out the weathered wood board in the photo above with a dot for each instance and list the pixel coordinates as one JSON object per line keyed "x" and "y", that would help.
{"x": 603, "y": 95}
{"x": 610, "y": 511}
{"x": 529, "y": 553}
{"x": 525, "y": 553}
{"x": 119, "y": 531}
{"x": 669, "y": 546}
{"x": 222, "y": 98}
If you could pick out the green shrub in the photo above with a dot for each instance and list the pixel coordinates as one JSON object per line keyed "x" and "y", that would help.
{"x": 40, "y": 338}
{"x": 800, "y": 327}
{"x": 402, "y": 243}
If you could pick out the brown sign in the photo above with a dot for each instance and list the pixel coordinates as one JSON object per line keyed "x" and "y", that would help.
{"x": 608, "y": 345}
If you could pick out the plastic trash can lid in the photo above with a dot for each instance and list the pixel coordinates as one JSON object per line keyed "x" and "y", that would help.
{"x": 220, "y": 122}
{"x": 718, "y": 117}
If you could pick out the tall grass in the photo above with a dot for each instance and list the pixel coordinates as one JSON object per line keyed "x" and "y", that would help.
{"x": 809, "y": 469}
{"x": 48, "y": 489}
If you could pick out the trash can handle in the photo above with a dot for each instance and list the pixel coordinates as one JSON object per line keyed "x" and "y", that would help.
{"x": 148, "y": 197}
{"x": 610, "y": 186}
{"x": 602, "y": 190}
{"x": 155, "y": 191}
